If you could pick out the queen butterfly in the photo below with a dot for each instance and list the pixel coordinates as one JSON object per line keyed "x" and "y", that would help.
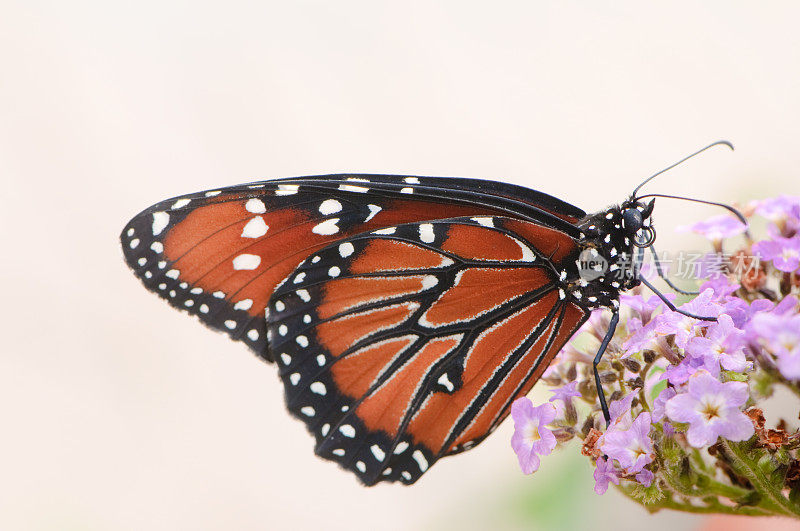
{"x": 405, "y": 314}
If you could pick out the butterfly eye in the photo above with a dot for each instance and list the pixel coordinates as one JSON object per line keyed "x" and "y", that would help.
{"x": 632, "y": 220}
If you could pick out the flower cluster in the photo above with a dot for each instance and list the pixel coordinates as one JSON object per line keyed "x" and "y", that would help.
{"x": 687, "y": 426}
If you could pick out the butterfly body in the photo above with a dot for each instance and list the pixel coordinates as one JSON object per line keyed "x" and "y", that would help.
{"x": 404, "y": 314}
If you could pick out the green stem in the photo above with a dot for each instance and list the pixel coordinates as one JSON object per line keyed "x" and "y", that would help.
{"x": 709, "y": 508}
{"x": 744, "y": 466}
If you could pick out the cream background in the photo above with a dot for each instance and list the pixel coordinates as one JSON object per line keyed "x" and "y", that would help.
{"x": 118, "y": 413}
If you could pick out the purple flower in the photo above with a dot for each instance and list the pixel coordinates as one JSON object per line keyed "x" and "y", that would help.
{"x": 783, "y": 211}
{"x": 783, "y": 252}
{"x": 716, "y": 228}
{"x": 684, "y": 327}
{"x": 780, "y": 334}
{"x": 741, "y": 312}
{"x": 532, "y": 437}
{"x": 659, "y": 404}
{"x": 723, "y": 344}
{"x": 565, "y": 393}
{"x": 645, "y": 477}
{"x": 632, "y": 447}
{"x": 722, "y": 287}
{"x": 679, "y": 374}
{"x": 604, "y": 474}
{"x": 779, "y": 208}
{"x": 643, "y": 307}
{"x": 712, "y": 409}
{"x": 618, "y": 408}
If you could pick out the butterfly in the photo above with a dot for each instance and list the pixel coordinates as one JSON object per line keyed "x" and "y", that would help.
{"x": 404, "y": 314}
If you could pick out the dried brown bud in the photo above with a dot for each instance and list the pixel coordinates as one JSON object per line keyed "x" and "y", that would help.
{"x": 635, "y": 383}
{"x": 608, "y": 377}
{"x": 793, "y": 474}
{"x": 649, "y": 356}
{"x": 589, "y": 448}
{"x": 563, "y": 435}
{"x": 632, "y": 365}
{"x": 767, "y": 438}
{"x": 572, "y": 373}
{"x": 756, "y": 416}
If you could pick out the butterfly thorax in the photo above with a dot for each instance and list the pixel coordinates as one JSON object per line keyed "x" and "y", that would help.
{"x": 606, "y": 262}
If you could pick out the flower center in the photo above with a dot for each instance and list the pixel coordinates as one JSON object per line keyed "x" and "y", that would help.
{"x": 532, "y": 432}
{"x": 711, "y": 407}
{"x": 788, "y": 342}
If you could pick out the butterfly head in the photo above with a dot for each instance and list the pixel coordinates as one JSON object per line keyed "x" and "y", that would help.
{"x": 608, "y": 259}
{"x": 636, "y": 222}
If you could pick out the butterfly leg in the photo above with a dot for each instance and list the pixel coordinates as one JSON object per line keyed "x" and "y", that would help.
{"x": 612, "y": 327}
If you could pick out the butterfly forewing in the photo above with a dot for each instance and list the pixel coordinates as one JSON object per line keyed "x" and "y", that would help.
{"x": 404, "y": 344}
{"x": 220, "y": 254}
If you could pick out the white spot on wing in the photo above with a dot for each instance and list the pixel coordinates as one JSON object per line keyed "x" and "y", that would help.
{"x": 429, "y": 281}
{"x": 327, "y": 227}
{"x": 303, "y": 294}
{"x": 346, "y": 249}
{"x": 318, "y": 388}
{"x": 244, "y": 304}
{"x": 252, "y": 334}
{"x": 256, "y": 206}
{"x": 485, "y": 221}
{"x": 308, "y": 411}
{"x": 180, "y": 203}
{"x": 334, "y": 272}
{"x": 361, "y": 466}
{"x": 386, "y": 231}
{"x": 347, "y": 430}
{"x": 445, "y": 381}
{"x": 330, "y": 206}
{"x": 377, "y": 452}
{"x": 294, "y": 378}
{"x": 420, "y": 459}
{"x": 287, "y": 189}
{"x": 426, "y": 233}
{"x": 527, "y": 254}
{"x": 400, "y": 448}
{"x": 411, "y": 180}
{"x": 373, "y": 209}
{"x": 351, "y": 188}
{"x": 255, "y": 228}
{"x": 160, "y": 222}
{"x": 246, "y": 262}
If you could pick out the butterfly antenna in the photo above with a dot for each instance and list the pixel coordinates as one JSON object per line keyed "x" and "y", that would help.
{"x": 717, "y": 143}
{"x": 729, "y": 208}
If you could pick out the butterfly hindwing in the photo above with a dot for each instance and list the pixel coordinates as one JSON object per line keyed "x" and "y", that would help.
{"x": 404, "y": 344}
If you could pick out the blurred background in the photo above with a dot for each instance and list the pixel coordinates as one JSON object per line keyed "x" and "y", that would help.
{"x": 118, "y": 413}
